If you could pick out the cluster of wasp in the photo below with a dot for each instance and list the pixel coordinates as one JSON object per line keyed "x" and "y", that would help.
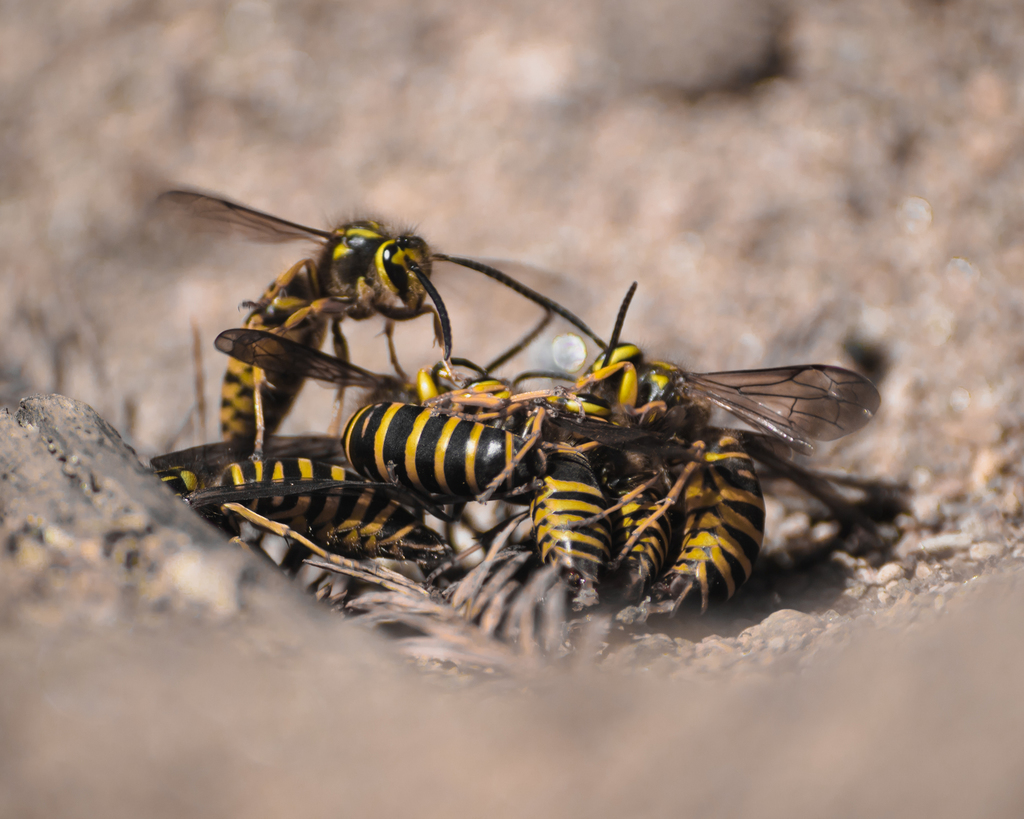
{"x": 615, "y": 484}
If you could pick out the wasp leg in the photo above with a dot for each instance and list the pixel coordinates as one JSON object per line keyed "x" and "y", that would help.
{"x": 383, "y": 577}
{"x": 629, "y": 388}
{"x": 628, "y": 498}
{"x": 341, "y": 352}
{"x": 663, "y": 505}
{"x": 389, "y": 333}
{"x": 506, "y": 474}
{"x": 724, "y": 524}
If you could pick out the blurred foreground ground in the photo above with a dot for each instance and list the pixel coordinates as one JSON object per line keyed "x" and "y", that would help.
{"x": 792, "y": 182}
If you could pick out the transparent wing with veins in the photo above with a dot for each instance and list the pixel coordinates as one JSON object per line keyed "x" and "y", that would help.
{"x": 795, "y": 404}
{"x": 277, "y": 354}
{"x": 237, "y": 219}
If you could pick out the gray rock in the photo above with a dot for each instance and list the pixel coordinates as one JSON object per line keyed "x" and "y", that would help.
{"x": 73, "y": 494}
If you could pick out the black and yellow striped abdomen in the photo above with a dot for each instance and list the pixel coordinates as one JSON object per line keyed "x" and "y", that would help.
{"x": 355, "y": 522}
{"x": 571, "y": 493}
{"x": 434, "y": 453}
{"x": 724, "y": 526}
{"x": 179, "y": 480}
{"x": 645, "y": 560}
{"x": 292, "y": 292}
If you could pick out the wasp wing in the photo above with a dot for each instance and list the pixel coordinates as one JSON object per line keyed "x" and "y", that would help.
{"x": 277, "y": 354}
{"x": 641, "y": 440}
{"x": 241, "y": 493}
{"x": 209, "y": 460}
{"x": 232, "y": 217}
{"x": 795, "y": 404}
{"x": 205, "y": 460}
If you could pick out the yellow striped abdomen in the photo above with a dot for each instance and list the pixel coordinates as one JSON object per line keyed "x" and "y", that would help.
{"x": 645, "y": 560}
{"x": 571, "y": 493}
{"x": 356, "y": 522}
{"x": 434, "y": 453}
{"x": 724, "y": 527}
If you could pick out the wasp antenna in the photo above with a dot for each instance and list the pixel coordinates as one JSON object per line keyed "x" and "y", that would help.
{"x": 442, "y": 311}
{"x": 620, "y": 319}
{"x": 469, "y": 365}
{"x": 524, "y": 291}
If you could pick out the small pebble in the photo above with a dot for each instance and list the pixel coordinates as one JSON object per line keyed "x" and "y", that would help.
{"x": 925, "y": 509}
{"x": 59, "y": 539}
{"x": 856, "y": 591}
{"x": 907, "y": 545}
{"x": 888, "y": 573}
{"x": 987, "y": 550}
{"x": 986, "y": 466}
{"x": 943, "y": 544}
{"x": 904, "y": 522}
{"x": 866, "y": 575}
{"x": 714, "y": 643}
{"x": 848, "y": 561}
{"x": 789, "y": 625}
{"x": 793, "y": 526}
{"x": 834, "y": 618}
{"x": 824, "y": 531}
{"x": 685, "y": 649}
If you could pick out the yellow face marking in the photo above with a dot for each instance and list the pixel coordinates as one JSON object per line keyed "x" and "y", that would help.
{"x": 470, "y": 462}
{"x": 439, "y": 451}
{"x": 396, "y": 258}
{"x": 411, "y": 445}
{"x": 378, "y": 440}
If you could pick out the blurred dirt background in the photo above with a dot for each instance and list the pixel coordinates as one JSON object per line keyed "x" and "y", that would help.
{"x": 839, "y": 182}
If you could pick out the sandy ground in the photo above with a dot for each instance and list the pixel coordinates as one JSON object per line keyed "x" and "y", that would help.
{"x": 789, "y": 182}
